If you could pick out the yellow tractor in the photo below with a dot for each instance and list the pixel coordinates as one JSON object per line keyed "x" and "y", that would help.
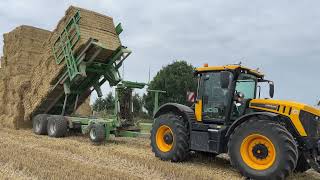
{"x": 264, "y": 138}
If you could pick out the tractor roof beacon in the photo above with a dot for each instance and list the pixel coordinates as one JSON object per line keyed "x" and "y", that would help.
{"x": 265, "y": 138}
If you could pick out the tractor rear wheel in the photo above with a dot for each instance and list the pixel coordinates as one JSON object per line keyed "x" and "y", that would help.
{"x": 57, "y": 126}
{"x": 263, "y": 149}
{"x": 170, "y": 138}
{"x": 39, "y": 124}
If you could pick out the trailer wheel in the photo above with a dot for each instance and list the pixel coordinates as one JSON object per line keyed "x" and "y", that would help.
{"x": 302, "y": 164}
{"x": 170, "y": 138}
{"x": 57, "y": 126}
{"x": 263, "y": 149}
{"x": 39, "y": 124}
{"x": 97, "y": 133}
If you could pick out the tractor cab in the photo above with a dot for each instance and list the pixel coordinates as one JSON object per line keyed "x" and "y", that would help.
{"x": 224, "y": 92}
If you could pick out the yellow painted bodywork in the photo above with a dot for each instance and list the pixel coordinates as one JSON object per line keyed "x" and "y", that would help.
{"x": 284, "y": 108}
{"x": 229, "y": 67}
{"x": 198, "y": 110}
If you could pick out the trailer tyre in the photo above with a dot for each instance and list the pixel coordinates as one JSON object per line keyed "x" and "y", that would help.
{"x": 97, "y": 134}
{"x": 57, "y": 126}
{"x": 39, "y": 124}
{"x": 263, "y": 149}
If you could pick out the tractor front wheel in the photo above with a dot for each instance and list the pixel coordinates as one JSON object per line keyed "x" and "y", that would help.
{"x": 263, "y": 149}
{"x": 170, "y": 138}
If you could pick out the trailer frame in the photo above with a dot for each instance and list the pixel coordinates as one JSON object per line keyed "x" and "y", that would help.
{"x": 82, "y": 74}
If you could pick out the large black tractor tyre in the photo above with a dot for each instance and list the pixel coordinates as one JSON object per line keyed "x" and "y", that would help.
{"x": 57, "y": 126}
{"x": 97, "y": 134}
{"x": 263, "y": 150}
{"x": 39, "y": 124}
{"x": 302, "y": 164}
{"x": 170, "y": 138}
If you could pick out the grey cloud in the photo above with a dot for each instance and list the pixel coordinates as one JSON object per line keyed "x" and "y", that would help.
{"x": 280, "y": 37}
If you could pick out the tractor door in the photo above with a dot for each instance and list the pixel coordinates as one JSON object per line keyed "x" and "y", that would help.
{"x": 246, "y": 85}
{"x": 212, "y": 99}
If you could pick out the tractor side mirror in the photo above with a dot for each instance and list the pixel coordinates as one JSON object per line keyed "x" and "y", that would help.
{"x": 271, "y": 89}
{"x": 225, "y": 79}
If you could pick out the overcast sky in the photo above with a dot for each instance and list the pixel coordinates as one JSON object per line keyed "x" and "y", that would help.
{"x": 281, "y": 38}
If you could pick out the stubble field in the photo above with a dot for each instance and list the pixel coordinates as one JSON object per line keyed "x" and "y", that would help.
{"x": 24, "y": 155}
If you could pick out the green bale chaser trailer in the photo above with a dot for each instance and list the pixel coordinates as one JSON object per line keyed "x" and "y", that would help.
{"x": 83, "y": 73}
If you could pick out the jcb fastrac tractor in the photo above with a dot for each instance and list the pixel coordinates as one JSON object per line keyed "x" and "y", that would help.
{"x": 265, "y": 138}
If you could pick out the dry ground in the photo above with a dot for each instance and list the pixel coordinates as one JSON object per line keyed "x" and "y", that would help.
{"x": 24, "y": 155}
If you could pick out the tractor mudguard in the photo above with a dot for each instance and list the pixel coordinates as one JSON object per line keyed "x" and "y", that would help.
{"x": 246, "y": 117}
{"x": 186, "y": 112}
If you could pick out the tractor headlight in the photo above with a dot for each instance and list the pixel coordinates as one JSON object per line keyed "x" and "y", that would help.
{"x": 311, "y": 123}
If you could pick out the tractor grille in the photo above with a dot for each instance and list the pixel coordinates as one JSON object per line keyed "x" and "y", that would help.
{"x": 311, "y": 123}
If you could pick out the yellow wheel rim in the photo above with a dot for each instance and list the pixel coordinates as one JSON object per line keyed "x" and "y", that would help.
{"x": 164, "y": 138}
{"x": 258, "y": 152}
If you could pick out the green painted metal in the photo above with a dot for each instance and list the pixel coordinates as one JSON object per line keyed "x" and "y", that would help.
{"x": 156, "y": 99}
{"x": 145, "y": 127}
{"x": 132, "y": 134}
{"x": 63, "y": 48}
{"x": 86, "y": 122}
{"x": 119, "y": 29}
{"x": 110, "y": 125}
{"x": 127, "y": 134}
{"x": 131, "y": 85}
{"x": 119, "y": 55}
{"x": 125, "y": 85}
{"x": 156, "y": 103}
{"x": 89, "y": 120}
{"x": 92, "y": 74}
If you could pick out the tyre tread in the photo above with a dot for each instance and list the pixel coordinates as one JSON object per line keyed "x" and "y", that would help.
{"x": 182, "y": 139}
{"x": 290, "y": 147}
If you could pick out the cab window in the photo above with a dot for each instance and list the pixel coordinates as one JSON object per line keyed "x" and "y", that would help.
{"x": 246, "y": 84}
{"x": 214, "y": 98}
